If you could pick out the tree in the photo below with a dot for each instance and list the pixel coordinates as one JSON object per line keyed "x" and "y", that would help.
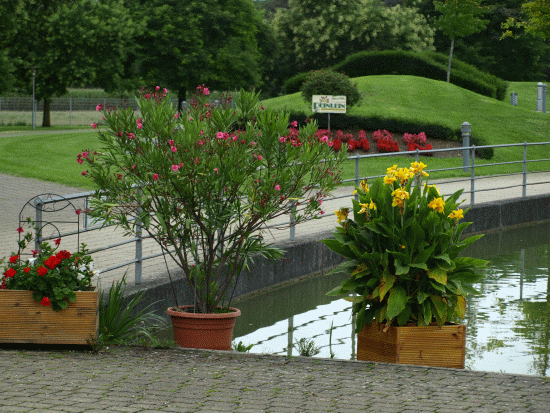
{"x": 317, "y": 34}
{"x": 202, "y": 42}
{"x": 537, "y": 20}
{"x": 514, "y": 58}
{"x": 70, "y": 42}
{"x": 459, "y": 18}
{"x": 11, "y": 11}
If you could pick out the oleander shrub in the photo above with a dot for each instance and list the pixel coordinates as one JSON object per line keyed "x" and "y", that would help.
{"x": 329, "y": 82}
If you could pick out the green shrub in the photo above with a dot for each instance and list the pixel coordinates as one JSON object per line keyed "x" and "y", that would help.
{"x": 482, "y": 153}
{"x": 329, "y": 82}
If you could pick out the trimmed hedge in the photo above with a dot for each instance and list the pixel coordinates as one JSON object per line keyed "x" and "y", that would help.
{"x": 342, "y": 121}
{"x": 423, "y": 64}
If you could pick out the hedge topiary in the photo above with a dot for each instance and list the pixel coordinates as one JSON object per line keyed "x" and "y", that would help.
{"x": 329, "y": 82}
{"x": 431, "y": 65}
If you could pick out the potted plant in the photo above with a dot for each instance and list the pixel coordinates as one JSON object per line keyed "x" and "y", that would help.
{"x": 50, "y": 298}
{"x": 203, "y": 184}
{"x": 406, "y": 275}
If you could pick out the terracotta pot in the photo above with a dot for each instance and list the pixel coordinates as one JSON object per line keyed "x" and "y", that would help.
{"x": 211, "y": 331}
{"x": 23, "y": 320}
{"x": 425, "y": 346}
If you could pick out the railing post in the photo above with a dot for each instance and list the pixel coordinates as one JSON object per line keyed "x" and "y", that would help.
{"x": 466, "y": 130}
{"x": 357, "y": 176}
{"x": 473, "y": 177}
{"x": 139, "y": 248}
{"x": 293, "y": 221}
{"x": 524, "y": 191}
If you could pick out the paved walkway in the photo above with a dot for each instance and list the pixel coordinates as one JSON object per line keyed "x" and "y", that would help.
{"x": 141, "y": 381}
{"x": 136, "y": 380}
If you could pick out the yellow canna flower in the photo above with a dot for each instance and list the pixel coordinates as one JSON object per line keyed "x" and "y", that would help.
{"x": 363, "y": 186}
{"x": 457, "y": 214}
{"x": 389, "y": 179}
{"x": 342, "y": 214}
{"x": 437, "y": 204}
{"x": 391, "y": 170}
{"x": 364, "y": 208}
{"x": 372, "y": 205}
{"x": 400, "y": 195}
{"x": 417, "y": 168}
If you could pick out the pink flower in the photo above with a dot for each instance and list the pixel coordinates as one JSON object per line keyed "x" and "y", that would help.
{"x": 196, "y": 160}
{"x": 294, "y": 124}
{"x": 260, "y": 157}
{"x": 78, "y": 211}
{"x": 98, "y": 108}
{"x": 130, "y": 135}
{"x": 139, "y": 123}
{"x": 322, "y": 212}
{"x": 176, "y": 115}
{"x": 157, "y": 88}
{"x": 324, "y": 138}
{"x": 173, "y": 149}
{"x": 79, "y": 161}
{"x": 155, "y": 177}
{"x": 20, "y": 230}
{"x": 282, "y": 139}
{"x": 219, "y": 135}
{"x": 175, "y": 168}
{"x": 200, "y": 142}
{"x": 94, "y": 125}
{"x": 34, "y": 252}
{"x": 206, "y": 91}
{"x": 84, "y": 173}
{"x": 165, "y": 90}
{"x": 216, "y": 170}
{"x": 171, "y": 142}
{"x": 147, "y": 96}
{"x": 277, "y": 187}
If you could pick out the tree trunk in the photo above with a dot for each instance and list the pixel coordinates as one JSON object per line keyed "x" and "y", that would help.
{"x": 450, "y": 58}
{"x": 46, "y": 119}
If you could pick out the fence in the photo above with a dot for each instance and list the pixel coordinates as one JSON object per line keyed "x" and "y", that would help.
{"x": 138, "y": 257}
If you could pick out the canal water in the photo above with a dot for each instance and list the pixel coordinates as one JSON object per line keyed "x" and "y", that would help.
{"x": 508, "y": 323}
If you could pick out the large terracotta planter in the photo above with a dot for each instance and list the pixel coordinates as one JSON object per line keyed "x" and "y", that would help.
{"x": 23, "y": 320}
{"x": 425, "y": 346}
{"x": 204, "y": 331}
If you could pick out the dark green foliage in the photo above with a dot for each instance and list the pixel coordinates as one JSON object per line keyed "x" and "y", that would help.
{"x": 430, "y": 65}
{"x": 329, "y": 82}
{"x": 483, "y": 153}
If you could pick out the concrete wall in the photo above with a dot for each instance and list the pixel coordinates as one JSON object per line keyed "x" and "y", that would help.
{"x": 307, "y": 255}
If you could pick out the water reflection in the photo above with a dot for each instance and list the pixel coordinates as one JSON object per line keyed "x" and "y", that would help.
{"x": 508, "y": 324}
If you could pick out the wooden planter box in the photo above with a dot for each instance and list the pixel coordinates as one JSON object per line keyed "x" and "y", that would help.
{"x": 424, "y": 346}
{"x": 22, "y": 320}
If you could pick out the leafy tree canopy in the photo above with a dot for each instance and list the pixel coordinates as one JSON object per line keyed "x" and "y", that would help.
{"x": 73, "y": 42}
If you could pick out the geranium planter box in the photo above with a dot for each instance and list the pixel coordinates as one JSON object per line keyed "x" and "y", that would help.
{"x": 22, "y": 320}
{"x": 425, "y": 346}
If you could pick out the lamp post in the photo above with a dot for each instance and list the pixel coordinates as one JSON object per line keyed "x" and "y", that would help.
{"x": 33, "y": 98}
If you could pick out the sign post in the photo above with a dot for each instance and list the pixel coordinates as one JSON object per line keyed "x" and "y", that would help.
{"x": 328, "y": 104}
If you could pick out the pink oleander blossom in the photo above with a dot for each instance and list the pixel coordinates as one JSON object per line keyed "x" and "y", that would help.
{"x": 155, "y": 177}
{"x": 175, "y": 168}
{"x": 277, "y": 187}
{"x": 173, "y": 149}
{"x": 94, "y": 125}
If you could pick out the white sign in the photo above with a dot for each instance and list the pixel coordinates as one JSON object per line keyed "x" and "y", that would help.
{"x": 328, "y": 104}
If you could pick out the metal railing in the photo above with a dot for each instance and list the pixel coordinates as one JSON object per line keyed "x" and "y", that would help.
{"x": 139, "y": 258}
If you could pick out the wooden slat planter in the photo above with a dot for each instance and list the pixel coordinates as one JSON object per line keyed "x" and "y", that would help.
{"x": 22, "y": 320}
{"x": 424, "y": 346}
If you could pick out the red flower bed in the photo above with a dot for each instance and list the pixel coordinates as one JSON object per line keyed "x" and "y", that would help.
{"x": 387, "y": 145}
{"x": 414, "y": 147}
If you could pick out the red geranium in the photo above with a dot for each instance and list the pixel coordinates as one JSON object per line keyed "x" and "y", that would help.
{"x": 13, "y": 259}
{"x": 10, "y": 272}
{"x": 364, "y": 143}
{"x": 45, "y": 301}
{"x": 52, "y": 262}
{"x": 337, "y": 145}
{"x": 42, "y": 271}
{"x": 63, "y": 254}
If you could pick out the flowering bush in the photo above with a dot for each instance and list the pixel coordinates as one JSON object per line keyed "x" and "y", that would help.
{"x": 52, "y": 277}
{"x": 204, "y": 183}
{"x": 415, "y": 146}
{"x": 419, "y": 139}
{"x": 381, "y": 134}
{"x": 402, "y": 248}
{"x": 385, "y": 144}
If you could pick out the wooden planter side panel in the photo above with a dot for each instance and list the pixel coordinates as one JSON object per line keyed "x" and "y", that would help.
{"x": 424, "y": 346}
{"x": 22, "y": 320}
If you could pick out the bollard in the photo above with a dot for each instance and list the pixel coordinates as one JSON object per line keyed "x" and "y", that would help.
{"x": 466, "y": 130}
{"x": 514, "y": 99}
{"x": 541, "y": 97}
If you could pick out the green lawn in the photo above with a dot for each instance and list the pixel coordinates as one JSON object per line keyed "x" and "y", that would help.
{"x": 49, "y": 157}
{"x": 52, "y": 156}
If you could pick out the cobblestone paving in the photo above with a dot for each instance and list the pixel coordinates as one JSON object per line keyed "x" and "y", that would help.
{"x": 137, "y": 380}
